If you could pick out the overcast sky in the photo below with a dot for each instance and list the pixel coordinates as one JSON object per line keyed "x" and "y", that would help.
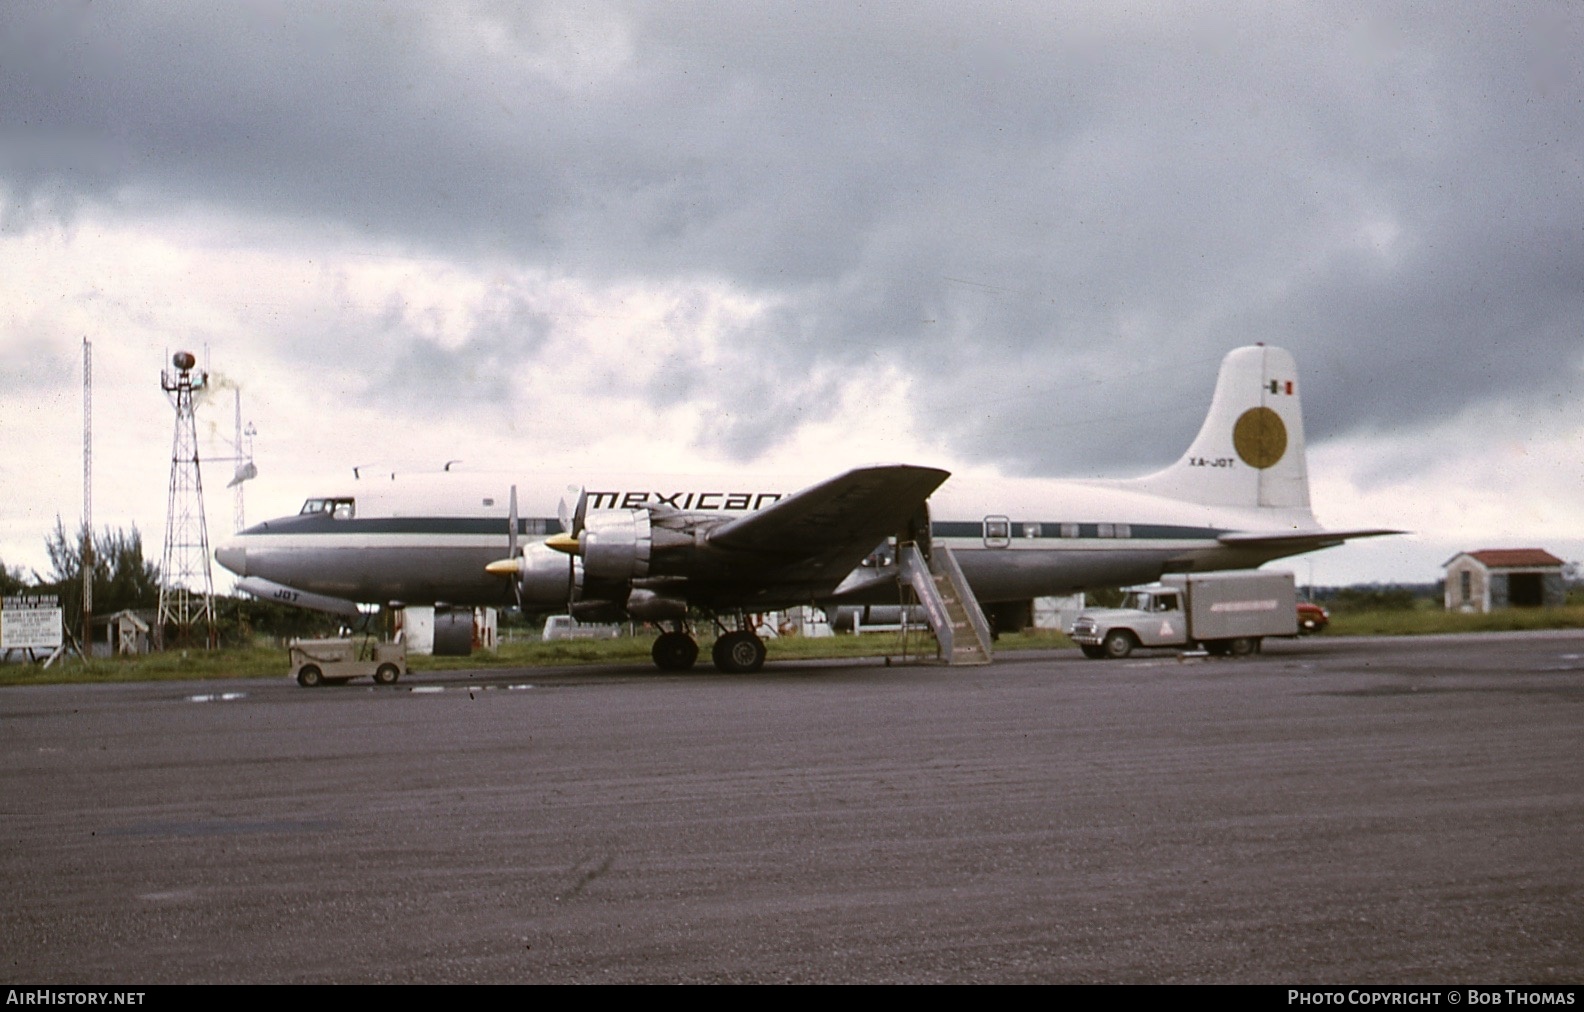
{"x": 1003, "y": 236}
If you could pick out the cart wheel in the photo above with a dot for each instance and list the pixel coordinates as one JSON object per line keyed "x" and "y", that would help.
{"x": 309, "y": 676}
{"x": 387, "y": 674}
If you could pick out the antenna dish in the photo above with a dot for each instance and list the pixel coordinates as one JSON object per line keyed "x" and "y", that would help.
{"x": 183, "y": 360}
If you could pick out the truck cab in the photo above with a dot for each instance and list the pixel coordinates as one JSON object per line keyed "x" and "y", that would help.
{"x": 1149, "y": 616}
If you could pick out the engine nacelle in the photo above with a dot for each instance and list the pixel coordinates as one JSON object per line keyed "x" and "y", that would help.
{"x": 616, "y": 544}
{"x": 545, "y": 575}
{"x": 648, "y": 606}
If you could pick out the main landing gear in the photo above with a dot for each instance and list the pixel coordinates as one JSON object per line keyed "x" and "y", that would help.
{"x": 674, "y": 651}
{"x": 736, "y": 652}
{"x": 739, "y": 652}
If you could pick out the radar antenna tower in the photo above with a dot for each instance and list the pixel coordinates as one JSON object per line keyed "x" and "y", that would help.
{"x": 186, "y": 606}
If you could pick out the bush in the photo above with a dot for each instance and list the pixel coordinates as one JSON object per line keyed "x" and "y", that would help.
{"x": 1374, "y": 597}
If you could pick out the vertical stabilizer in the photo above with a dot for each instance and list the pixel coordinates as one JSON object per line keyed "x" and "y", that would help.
{"x": 1250, "y": 451}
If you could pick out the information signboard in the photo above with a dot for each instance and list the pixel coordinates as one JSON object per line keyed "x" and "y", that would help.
{"x": 30, "y": 622}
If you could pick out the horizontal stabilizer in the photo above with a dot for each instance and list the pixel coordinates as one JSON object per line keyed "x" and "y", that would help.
{"x": 1298, "y": 541}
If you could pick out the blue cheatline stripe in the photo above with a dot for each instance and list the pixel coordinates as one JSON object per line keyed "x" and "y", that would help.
{"x": 540, "y": 526}
{"x": 321, "y": 524}
{"x": 1045, "y": 529}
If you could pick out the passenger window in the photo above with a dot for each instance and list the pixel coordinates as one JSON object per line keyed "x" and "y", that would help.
{"x": 342, "y": 509}
{"x": 997, "y": 532}
{"x": 1168, "y": 602}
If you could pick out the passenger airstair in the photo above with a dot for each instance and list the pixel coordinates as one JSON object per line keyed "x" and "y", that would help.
{"x": 954, "y": 615}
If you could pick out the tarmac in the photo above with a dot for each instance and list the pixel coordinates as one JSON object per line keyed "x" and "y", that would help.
{"x": 1331, "y": 811}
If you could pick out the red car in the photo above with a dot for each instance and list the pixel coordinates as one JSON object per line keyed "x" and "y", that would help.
{"x": 1312, "y": 618}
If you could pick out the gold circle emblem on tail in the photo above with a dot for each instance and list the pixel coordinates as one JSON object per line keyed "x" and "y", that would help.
{"x": 1260, "y": 437}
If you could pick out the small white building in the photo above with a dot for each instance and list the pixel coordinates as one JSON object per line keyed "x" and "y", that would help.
{"x": 1494, "y": 578}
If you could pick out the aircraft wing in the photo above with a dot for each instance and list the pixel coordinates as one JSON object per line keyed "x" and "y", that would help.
{"x": 1298, "y": 541}
{"x": 827, "y": 529}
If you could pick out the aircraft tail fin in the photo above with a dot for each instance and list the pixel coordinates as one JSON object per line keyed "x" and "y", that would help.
{"x": 1250, "y": 450}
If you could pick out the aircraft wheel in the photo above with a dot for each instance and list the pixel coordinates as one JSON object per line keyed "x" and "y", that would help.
{"x": 310, "y": 677}
{"x": 1242, "y": 646}
{"x": 739, "y": 653}
{"x": 1093, "y": 653}
{"x": 1119, "y": 644}
{"x": 387, "y": 674}
{"x": 674, "y": 651}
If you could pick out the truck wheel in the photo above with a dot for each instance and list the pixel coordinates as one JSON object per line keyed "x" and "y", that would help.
{"x": 1093, "y": 653}
{"x": 1119, "y": 644}
{"x": 387, "y": 674}
{"x": 1242, "y": 646}
{"x": 309, "y": 676}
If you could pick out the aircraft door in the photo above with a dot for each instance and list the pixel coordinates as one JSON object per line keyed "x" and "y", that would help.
{"x": 997, "y": 531}
{"x": 918, "y": 530}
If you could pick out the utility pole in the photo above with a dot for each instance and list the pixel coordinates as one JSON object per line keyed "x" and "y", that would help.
{"x": 87, "y": 559}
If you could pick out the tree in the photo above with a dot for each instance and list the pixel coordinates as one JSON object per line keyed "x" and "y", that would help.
{"x": 122, "y": 578}
{"x": 11, "y": 580}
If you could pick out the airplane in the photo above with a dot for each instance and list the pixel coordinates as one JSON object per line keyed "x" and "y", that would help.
{"x": 661, "y": 549}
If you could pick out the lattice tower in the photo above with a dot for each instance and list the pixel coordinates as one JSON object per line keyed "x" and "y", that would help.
{"x": 186, "y": 608}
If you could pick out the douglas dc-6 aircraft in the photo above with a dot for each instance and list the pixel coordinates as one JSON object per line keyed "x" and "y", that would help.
{"x": 661, "y": 549}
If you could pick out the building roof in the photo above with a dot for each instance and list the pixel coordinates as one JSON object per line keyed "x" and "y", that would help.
{"x": 1509, "y": 558}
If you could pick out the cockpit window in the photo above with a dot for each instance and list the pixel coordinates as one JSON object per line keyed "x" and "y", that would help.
{"x": 340, "y": 509}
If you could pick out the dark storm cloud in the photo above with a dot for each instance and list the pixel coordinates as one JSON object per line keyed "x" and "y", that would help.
{"x": 1056, "y": 217}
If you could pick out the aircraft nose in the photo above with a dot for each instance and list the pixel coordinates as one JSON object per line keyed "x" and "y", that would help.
{"x": 232, "y": 556}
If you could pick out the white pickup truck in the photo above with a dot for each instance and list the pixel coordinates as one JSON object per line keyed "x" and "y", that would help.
{"x": 1226, "y": 613}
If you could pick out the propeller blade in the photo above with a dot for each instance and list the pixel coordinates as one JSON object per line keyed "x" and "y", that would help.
{"x": 511, "y": 549}
{"x": 567, "y": 540}
{"x": 581, "y": 514}
{"x": 563, "y": 513}
{"x": 511, "y": 525}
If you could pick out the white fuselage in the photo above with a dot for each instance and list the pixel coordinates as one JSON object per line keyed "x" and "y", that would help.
{"x": 427, "y": 540}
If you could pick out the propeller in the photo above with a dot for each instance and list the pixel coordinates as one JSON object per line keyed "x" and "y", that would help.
{"x": 511, "y": 565}
{"x": 519, "y": 568}
{"x": 567, "y": 540}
